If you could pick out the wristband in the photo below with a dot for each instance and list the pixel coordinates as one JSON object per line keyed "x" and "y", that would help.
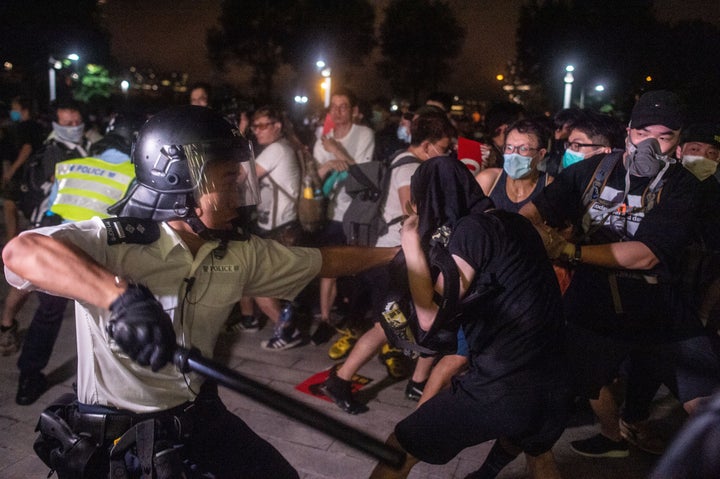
{"x": 577, "y": 256}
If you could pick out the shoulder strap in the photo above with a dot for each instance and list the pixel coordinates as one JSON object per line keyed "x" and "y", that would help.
{"x": 602, "y": 172}
{"x": 396, "y": 163}
{"x": 497, "y": 180}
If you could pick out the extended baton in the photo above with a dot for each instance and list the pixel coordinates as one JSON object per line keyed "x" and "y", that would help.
{"x": 191, "y": 360}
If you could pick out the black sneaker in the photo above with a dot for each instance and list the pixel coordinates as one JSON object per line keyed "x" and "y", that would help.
{"x": 340, "y": 391}
{"x": 30, "y": 388}
{"x": 600, "y": 446}
{"x": 413, "y": 390}
{"x": 247, "y": 323}
{"x": 322, "y": 334}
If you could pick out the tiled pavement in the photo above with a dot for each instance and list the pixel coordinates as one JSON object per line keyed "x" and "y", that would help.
{"x": 314, "y": 454}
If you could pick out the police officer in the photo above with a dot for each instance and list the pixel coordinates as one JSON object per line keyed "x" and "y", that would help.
{"x": 170, "y": 275}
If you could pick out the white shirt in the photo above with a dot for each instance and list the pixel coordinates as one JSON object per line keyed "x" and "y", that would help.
{"x": 278, "y": 206}
{"x": 399, "y": 177}
{"x": 106, "y": 376}
{"x": 360, "y": 145}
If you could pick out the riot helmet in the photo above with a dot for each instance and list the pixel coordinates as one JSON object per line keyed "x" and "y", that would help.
{"x": 172, "y": 155}
{"x": 120, "y": 133}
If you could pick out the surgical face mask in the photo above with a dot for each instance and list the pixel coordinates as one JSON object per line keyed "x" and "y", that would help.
{"x": 699, "y": 166}
{"x": 571, "y": 157}
{"x": 517, "y": 166}
{"x": 71, "y": 134}
{"x": 403, "y": 134}
{"x": 645, "y": 158}
{"x": 15, "y": 115}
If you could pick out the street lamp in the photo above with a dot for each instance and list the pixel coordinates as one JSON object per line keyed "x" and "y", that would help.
{"x": 54, "y": 64}
{"x": 568, "y": 85}
{"x": 326, "y": 85}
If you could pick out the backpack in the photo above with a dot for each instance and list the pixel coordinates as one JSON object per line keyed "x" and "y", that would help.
{"x": 311, "y": 204}
{"x": 37, "y": 181}
{"x": 368, "y": 184}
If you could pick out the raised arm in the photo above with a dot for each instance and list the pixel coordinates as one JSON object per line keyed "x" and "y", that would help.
{"x": 61, "y": 269}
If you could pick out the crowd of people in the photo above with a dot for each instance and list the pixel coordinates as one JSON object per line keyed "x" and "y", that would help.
{"x": 581, "y": 261}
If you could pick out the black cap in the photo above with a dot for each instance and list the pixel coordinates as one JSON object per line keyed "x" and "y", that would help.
{"x": 703, "y": 133}
{"x": 659, "y": 107}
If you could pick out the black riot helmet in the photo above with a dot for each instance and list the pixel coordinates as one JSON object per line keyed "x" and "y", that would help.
{"x": 120, "y": 133}
{"x": 171, "y": 155}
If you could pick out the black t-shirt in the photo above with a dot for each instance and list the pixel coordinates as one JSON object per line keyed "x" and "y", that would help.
{"x": 516, "y": 327}
{"x": 647, "y": 309}
{"x": 30, "y": 132}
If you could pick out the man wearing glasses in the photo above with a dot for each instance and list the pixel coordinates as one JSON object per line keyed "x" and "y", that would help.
{"x": 345, "y": 145}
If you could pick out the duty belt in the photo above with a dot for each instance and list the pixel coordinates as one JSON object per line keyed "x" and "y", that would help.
{"x": 103, "y": 427}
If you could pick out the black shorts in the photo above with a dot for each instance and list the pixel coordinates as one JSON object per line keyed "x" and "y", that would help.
{"x": 532, "y": 415}
{"x": 689, "y": 367}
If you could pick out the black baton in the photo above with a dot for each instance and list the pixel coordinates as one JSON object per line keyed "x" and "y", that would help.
{"x": 191, "y": 360}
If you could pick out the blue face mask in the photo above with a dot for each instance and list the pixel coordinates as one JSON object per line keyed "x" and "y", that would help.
{"x": 403, "y": 134}
{"x": 517, "y": 166}
{"x": 15, "y": 115}
{"x": 571, "y": 157}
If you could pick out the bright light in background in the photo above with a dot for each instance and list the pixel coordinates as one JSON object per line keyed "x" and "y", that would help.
{"x": 567, "y": 97}
{"x": 74, "y": 57}
{"x": 320, "y": 64}
{"x": 124, "y": 86}
{"x": 599, "y": 87}
{"x": 499, "y": 77}
{"x": 648, "y": 78}
{"x": 301, "y": 99}
{"x": 393, "y": 107}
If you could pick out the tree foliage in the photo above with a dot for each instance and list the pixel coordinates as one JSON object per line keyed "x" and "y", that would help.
{"x": 419, "y": 39}
{"x": 34, "y": 30}
{"x": 266, "y": 34}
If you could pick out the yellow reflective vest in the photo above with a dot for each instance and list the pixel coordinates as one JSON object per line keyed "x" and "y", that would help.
{"x": 87, "y": 186}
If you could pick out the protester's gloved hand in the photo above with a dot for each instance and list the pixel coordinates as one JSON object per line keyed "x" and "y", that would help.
{"x": 556, "y": 246}
{"x": 141, "y": 328}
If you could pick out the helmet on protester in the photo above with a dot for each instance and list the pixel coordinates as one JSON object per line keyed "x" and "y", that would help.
{"x": 171, "y": 154}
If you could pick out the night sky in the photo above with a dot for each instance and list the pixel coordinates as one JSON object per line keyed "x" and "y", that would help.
{"x": 170, "y": 35}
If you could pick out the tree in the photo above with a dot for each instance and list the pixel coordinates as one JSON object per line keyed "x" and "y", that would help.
{"x": 254, "y": 34}
{"x": 418, "y": 40}
{"x": 267, "y": 34}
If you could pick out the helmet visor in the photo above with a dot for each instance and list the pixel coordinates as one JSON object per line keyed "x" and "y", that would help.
{"x": 223, "y": 172}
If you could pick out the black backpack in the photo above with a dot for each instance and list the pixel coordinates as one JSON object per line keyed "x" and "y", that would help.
{"x": 368, "y": 184}
{"x": 37, "y": 180}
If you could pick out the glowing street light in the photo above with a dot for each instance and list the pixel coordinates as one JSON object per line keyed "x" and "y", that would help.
{"x": 54, "y": 64}
{"x": 599, "y": 88}
{"x": 569, "y": 79}
{"x": 326, "y": 85}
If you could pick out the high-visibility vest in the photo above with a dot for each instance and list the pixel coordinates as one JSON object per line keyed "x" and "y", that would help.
{"x": 87, "y": 186}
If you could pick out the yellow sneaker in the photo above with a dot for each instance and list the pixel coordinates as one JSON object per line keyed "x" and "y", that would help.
{"x": 344, "y": 344}
{"x": 398, "y": 365}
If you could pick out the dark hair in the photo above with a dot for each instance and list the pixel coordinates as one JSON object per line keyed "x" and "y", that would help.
{"x": 349, "y": 94}
{"x": 565, "y": 116}
{"x": 200, "y": 84}
{"x": 502, "y": 113}
{"x": 431, "y": 125}
{"x": 68, "y": 104}
{"x": 531, "y": 127}
{"x": 269, "y": 111}
{"x": 25, "y": 102}
{"x": 602, "y": 129}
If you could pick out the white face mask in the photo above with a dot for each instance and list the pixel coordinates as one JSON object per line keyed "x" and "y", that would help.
{"x": 703, "y": 168}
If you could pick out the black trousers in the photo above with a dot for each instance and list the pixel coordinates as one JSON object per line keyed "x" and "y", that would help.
{"x": 41, "y": 334}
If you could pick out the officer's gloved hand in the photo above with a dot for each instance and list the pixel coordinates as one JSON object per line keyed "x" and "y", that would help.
{"x": 141, "y": 328}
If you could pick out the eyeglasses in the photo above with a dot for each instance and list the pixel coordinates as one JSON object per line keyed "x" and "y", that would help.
{"x": 522, "y": 149}
{"x": 261, "y": 126}
{"x": 575, "y": 146}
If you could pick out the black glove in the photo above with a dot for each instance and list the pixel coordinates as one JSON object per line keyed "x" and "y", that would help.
{"x": 142, "y": 329}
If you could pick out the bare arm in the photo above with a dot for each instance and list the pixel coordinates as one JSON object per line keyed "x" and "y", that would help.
{"x": 61, "y": 269}
{"x": 349, "y": 260}
{"x": 23, "y": 155}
